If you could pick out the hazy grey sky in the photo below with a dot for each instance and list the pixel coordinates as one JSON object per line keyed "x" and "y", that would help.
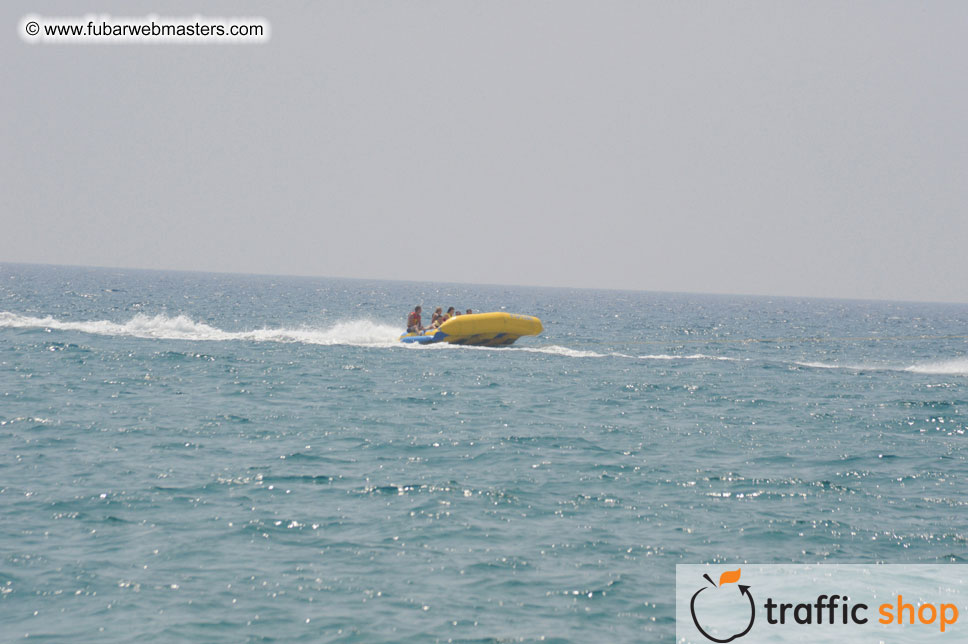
{"x": 787, "y": 148}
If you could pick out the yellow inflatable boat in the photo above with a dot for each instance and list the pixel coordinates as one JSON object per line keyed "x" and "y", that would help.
{"x": 479, "y": 329}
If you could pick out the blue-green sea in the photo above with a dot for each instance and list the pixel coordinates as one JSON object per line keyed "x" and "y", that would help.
{"x": 190, "y": 457}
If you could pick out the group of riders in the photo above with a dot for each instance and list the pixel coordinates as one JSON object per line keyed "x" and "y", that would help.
{"x": 438, "y": 318}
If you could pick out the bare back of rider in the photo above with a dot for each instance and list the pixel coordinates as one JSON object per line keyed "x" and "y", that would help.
{"x": 413, "y": 321}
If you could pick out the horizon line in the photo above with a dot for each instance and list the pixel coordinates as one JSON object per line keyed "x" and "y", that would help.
{"x": 412, "y": 281}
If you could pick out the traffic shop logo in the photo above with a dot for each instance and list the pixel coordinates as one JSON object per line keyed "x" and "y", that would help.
{"x": 726, "y": 611}
{"x": 721, "y": 595}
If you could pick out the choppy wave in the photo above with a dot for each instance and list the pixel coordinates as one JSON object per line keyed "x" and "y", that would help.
{"x": 953, "y": 367}
{"x": 181, "y": 327}
{"x": 957, "y": 366}
{"x": 828, "y": 365}
{"x": 556, "y": 350}
{"x": 568, "y": 352}
{"x": 694, "y": 356}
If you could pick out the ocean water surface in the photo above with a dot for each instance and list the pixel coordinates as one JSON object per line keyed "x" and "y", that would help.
{"x": 234, "y": 458}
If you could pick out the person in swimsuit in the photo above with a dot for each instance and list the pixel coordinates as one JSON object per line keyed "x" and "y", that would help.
{"x": 435, "y": 318}
{"x": 413, "y": 321}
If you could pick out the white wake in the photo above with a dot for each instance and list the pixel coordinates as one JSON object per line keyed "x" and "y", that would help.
{"x": 181, "y": 327}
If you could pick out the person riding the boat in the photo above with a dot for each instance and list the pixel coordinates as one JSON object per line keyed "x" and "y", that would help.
{"x": 435, "y": 318}
{"x": 413, "y": 321}
{"x": 469, "y": 312}
{"x": 446, "y": 316}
